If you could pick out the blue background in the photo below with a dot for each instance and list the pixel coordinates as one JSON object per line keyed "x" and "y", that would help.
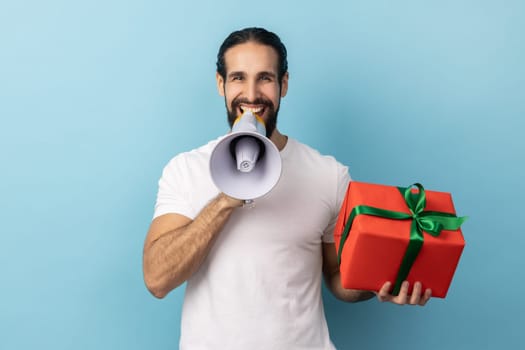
{"x": 97, "y": 96}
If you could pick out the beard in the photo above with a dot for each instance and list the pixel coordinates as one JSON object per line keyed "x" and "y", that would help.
{"x": 271, "y": 112}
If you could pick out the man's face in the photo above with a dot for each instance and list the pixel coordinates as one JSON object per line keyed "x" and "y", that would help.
{"x": 252, "y": 83}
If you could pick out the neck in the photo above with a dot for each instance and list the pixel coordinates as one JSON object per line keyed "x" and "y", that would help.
{"x": 279, "y": 139}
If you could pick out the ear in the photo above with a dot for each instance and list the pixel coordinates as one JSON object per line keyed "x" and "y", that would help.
{"x": 220, "y": 83}
{"x": 284, "y": 84}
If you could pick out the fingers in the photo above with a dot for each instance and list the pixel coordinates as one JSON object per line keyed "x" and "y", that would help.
{"x": 384, "y": 293}
{"x": 426, "y": 297}
{"x": 402, "y": 297}
{"x": 417, "y": 297}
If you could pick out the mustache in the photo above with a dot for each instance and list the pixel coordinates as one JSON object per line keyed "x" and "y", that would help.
{"x": 258, "y": 101}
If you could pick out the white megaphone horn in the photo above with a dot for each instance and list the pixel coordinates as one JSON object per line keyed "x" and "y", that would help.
{"x": 245, "y": 164}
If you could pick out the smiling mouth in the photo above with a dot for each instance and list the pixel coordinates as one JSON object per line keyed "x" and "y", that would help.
{"x": 259, "y": 110}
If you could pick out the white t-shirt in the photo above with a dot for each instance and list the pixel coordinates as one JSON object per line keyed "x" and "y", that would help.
{"x": 260, "y": 285}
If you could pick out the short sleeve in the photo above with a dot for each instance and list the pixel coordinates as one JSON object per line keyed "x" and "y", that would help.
{"x": 172, "y": 195}
{"x": 343, "y": 179}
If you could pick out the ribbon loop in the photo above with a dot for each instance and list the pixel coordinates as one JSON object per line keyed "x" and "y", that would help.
{"x": 428, "y": 225}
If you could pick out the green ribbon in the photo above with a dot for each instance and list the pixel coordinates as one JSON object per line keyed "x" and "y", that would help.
{"x": 431, "y": 222}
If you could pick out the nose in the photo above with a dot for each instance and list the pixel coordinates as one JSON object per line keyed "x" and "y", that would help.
{"x": 252, "y": 90}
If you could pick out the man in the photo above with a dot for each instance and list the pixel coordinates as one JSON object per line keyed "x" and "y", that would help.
{"x": 254, "y": 274}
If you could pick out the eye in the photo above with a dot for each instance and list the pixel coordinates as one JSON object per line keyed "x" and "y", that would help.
{"x": 265, "y": 77}
{"x": 236, "y": 77}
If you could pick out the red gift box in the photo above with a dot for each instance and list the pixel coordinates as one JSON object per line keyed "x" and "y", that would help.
{"x": 375, "y": 246}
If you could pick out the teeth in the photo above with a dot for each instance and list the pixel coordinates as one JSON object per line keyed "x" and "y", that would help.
{"x": 250, "y": 109}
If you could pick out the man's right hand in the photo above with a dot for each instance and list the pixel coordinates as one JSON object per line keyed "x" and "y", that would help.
{"x": 230, "y": 202}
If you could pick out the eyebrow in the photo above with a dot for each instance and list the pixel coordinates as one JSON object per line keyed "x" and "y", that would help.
{"x": 266, "y": 73}
{"x": 236, "y": 74}
{"x": 241, "y": 73}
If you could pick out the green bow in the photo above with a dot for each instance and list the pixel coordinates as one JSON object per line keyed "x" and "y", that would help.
{"x": 431, "y": 222}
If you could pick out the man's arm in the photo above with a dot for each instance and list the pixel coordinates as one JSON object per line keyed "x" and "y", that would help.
{"x": 333, "y": 281}
{"x": 175, "y": 245}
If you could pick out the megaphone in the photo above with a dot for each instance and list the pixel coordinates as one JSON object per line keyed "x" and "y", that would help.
{"x": 245, "y": 164}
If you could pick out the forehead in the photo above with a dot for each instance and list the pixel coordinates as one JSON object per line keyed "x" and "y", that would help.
{"x": 251, "y": 57}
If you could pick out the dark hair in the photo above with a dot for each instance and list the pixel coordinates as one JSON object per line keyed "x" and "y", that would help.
{"x": 258, "y": 35}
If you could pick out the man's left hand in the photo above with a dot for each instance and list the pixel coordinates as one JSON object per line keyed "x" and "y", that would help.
{"x": 416, "y": 298}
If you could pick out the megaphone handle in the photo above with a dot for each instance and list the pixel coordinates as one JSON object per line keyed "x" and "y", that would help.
{"x": 248, "y": 203}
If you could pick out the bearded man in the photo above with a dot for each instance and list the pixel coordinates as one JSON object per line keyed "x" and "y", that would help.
{"x": 253, "y": 275}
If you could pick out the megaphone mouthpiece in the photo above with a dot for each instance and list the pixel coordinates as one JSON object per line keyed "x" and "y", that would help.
{"x": 248, "y": 121}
